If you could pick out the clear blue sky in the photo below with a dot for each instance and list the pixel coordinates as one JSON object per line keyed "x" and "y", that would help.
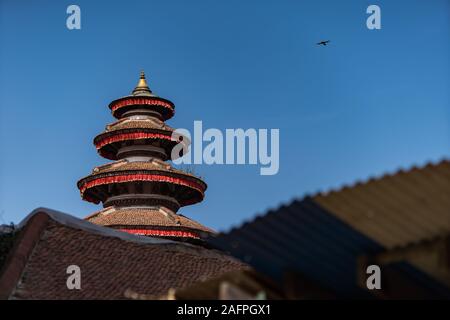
{"x": 370, "y": 103}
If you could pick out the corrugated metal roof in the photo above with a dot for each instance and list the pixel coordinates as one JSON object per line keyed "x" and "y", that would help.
{"x": 322, "y": 237}
{"x": 399, "y": 209}
{"x": 305, "y": 238}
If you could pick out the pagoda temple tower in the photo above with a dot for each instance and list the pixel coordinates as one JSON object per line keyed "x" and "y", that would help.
{"x": 140, "y": 192}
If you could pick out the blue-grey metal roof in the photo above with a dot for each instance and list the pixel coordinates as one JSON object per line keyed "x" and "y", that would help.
{"x": 306, "y": 238}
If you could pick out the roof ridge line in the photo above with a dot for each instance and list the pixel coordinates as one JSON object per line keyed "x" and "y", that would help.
{"x": 387, "y": 174}
{"x": 74, "y": 222}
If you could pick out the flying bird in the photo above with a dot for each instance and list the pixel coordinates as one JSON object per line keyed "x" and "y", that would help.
{"x": 323, "y": 43}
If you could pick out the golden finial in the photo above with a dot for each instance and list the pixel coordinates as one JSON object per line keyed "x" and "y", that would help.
{"x": 142, "y": 86}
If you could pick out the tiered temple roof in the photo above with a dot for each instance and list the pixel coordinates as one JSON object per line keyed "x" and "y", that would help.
{"x": 140, "y": 192}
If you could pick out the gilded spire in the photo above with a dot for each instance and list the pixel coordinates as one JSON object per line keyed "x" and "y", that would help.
{"x": 142, "y": 88}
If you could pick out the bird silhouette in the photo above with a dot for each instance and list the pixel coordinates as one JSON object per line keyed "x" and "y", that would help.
{"x": 323, "y": 43}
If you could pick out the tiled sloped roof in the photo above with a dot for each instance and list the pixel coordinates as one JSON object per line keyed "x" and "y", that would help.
{"x": 399, "y": 209}
{"x": 130, "y": 123}
{"x": 125, "y": 165}
{"x": 151, "y": 170}
{"x": 111, "y": 262}
{"x": 134, "y": 216}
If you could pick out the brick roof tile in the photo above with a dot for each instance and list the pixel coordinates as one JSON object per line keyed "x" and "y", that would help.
{"x": 146, "y": 217}
{"x": 110, "y": 263}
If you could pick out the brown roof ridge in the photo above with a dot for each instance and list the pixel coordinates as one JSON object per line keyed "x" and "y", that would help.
{"x": 100, "y": 212}
{"x": 117, "y": 163}
{"x": 84, "y": 225}
{"x": 214, "y": 231}
{"x": 169, "y": 214}
{"x": 77, "y": 223}
{"x": 108, "y": 126}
